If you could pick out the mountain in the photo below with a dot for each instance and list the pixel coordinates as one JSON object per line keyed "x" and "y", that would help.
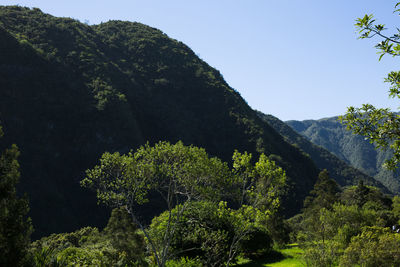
{"x": 353, "y": 149}
{"x": 339, "y": 170}
{"x": 70, "y": 91}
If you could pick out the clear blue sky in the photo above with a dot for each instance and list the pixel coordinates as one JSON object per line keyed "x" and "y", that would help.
{"x": 290, "y": 58}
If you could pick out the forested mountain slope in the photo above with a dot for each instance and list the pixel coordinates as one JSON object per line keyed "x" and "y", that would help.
{"x": 353, "y": 149}
{"x": 70, "y": 91}
{"x": 340, "y": 171}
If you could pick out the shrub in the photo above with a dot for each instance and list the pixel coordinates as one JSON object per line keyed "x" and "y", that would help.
{"x": 375, "y": 246}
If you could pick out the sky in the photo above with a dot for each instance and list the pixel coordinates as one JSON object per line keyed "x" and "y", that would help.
{"x": 293, "y": 59}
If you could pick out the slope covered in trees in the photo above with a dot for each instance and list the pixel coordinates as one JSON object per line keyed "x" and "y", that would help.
{"x": 69, "y": 92}
{"x": 340, "y": 171}
{"x": 353, "y": 149}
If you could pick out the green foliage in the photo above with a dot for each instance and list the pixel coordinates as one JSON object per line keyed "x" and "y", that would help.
{"x": 201, "y": 232}
{"x": 322, "y": 198}
{"x": 396, "y": 207}
{"x": 324, "y": 194}
{"x": 183, "y": 174}
{"x": 177, "y": 173}
{"x": 174, "y": 171}
{"x": 380, "y": 126}
{"x": 260, "y": 185}
{"x": 15, "y": 227}
{"x": 184, "y": 262}
{"x": 205, "y": 231}
{"x": 279, "y": 229}
{"x": 124, "y": 237}
{"x": 331, "y": 220}
{"x": 257, "y": 243}
{"x": 74, "y": 256}
{"x": 119, "y": 244}
{"x": 361, "y": 195}
{"x": 375, "y": 246}
{"x": 324, "y": 245}
{"x": 57, "y": 242}
{"x": 321, "y": 255}
{"x": 344, "y": 222}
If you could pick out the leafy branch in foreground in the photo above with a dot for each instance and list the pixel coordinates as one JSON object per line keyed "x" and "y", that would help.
{"x": 379, "y": 126}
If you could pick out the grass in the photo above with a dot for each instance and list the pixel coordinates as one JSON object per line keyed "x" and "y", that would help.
{"x": 288, "y": 257}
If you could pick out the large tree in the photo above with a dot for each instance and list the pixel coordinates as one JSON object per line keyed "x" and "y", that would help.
{"x": 379, "y": 125}
{"x": 177, "y": 174}
{"x": 15, "y": 227}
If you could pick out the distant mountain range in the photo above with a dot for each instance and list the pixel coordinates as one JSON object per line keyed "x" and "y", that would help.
{"x": 330, "y": 134}
{"x": 343, "y": 173}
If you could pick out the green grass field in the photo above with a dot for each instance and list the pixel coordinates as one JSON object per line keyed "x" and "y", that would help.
{"x": 291, "y": 258}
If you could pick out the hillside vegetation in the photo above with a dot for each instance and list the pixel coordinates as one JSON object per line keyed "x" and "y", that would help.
{"x": 70, "y": 91}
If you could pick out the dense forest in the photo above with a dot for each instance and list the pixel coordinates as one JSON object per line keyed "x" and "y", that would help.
{"x": 355, "y": 150}
{"x": 120, "y": 147}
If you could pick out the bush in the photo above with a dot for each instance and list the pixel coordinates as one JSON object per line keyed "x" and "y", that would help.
{"x": 187, "y": 262}
{"x": 118, "y": 245}
{"x": 257, "y": 243}
{"x": 375, "y": 246}
{"x": 200, "y": 233}
{"x": 205, "y": 233}
{"x": 321, "y": 254}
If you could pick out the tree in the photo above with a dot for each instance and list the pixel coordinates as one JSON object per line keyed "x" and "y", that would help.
{"x": 119, "y": 244}
{"x": 379, "y": 125}
{"x": 201, "y": 232}
{"x": 15, "y": 227}
{"x": 124, "y": 237}
{"x": 324, "y": 194}
{"x": 314, "y": 233}
{"x": 375, "y": 246}
{"x": 337, "y": 226}
{"x": 178, "y": 174}
{"x": 365, "y": 196}
{"x": 396, "y": 207}
{"x": 258, "y": 195}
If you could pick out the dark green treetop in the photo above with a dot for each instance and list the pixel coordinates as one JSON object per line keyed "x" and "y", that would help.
{"x": 324, "y": 194}
{"x": 15, "y": 227}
